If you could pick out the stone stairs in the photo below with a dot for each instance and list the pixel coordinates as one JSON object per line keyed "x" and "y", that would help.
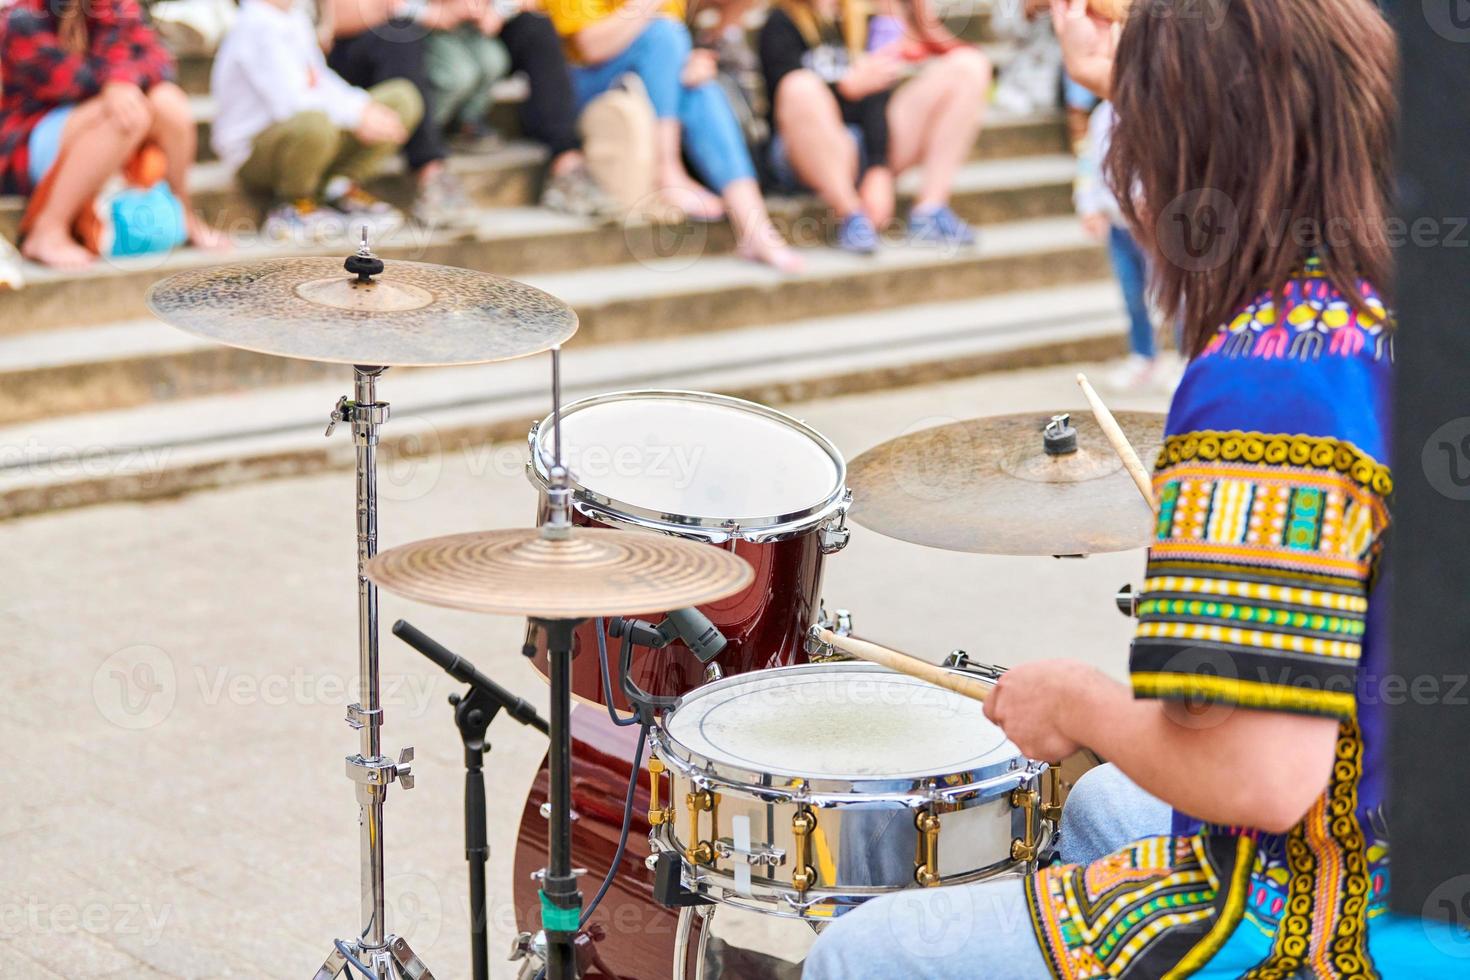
{"x": 99, "y": 402}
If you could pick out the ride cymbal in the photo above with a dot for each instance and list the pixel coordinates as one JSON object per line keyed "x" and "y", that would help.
{"x": 409, "y": 314}
{"x": 591, "y": 572}
{"x": 988, "y": 486}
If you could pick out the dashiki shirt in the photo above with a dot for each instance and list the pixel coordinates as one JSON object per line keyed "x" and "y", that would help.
{"x": 1262, "y": 593}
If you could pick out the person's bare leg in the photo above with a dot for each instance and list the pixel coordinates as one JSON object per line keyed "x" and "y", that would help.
{"x": 934, "y": 119}
{"x": 821, "y": 151}
{"x": 174, "y": 132}
{"x": 877, "y": 193}
{"x": 676, "y": 188}
{"x": 757, "y": 239}
{"x": 94, "y": 147}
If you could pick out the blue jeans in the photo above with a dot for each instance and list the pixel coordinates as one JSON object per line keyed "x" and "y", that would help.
{"x": 969, "y": 932}
{"x": 712, "y": 137}
{"x": 1131, "y": 269}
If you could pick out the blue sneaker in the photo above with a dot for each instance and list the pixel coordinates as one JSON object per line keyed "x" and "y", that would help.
{"x": 857, "y": 234}
{"x": 939, "y": 225}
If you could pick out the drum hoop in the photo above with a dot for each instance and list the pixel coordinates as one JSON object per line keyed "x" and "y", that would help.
{"x": 756, "y": 529}
{"x": 981, "y": 783}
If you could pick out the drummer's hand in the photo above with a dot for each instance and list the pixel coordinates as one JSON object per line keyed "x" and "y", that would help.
{"x": 1031, "y": 701}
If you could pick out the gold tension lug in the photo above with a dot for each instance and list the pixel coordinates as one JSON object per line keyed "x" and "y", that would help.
{"x": 926, "y": 856}
{"x": 657, "y": 815}
{"x": 1051, "y": 810}
{"x": 1025, "y": 849}
{"x": 702, "y": 851}
{"x": 803, "y": 824}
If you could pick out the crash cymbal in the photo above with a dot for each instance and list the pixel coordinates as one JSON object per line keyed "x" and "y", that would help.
{"x": 411, "y": 313}
{"x": 988, "y": 486}
{"x": 592, "y": 572}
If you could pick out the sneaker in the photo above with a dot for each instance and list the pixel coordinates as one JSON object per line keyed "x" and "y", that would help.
{"x": 939, "y": 225}
{"x": 575, "y": 192}
{"x": 1136, "y": 373}
{"x": 856, "y": 234}
{"x": 12, "y": 275}
{"x": 362, "y": 208}
{"x": 305, "y": 222}
{"x": 475, "y": 137}
{"x": 442, "y": 202}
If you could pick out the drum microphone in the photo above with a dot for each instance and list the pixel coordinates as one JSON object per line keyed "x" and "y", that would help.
{"x": 689, "y": 625}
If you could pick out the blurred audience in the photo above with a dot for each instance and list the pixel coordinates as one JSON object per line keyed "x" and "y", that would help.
{"x": 465, "y": 62}
{"x": 1103, "y": 219}
{"x": 85, "y": 85}
{"x": 376, "y": 41}
{"x": 1028, "y": 83}
{"x": 845, "y": 127}
{"x": 721, "y": 30}
{"x": 294, "y": 130}
{"x": 606, "y": 40}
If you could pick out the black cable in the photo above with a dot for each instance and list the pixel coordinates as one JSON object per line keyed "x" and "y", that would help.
{"x": 623, "y": 835}
{"x": 607, "y": 691}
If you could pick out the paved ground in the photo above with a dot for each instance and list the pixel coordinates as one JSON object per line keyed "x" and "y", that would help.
{"x": 175, "y": 676}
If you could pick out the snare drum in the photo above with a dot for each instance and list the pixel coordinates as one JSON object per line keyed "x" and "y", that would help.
{"x": 803, "y": 791}
{"x": 730, "y": 472}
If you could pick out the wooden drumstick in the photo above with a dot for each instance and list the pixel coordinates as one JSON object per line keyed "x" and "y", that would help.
{"x": 1120, "y": 443}
{"x": 950, "y": 680}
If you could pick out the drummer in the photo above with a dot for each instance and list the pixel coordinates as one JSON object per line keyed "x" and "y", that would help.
{"x": 1253, "y": 156}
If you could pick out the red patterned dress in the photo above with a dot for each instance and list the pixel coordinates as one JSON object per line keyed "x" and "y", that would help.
{"x": 40, "y": 75}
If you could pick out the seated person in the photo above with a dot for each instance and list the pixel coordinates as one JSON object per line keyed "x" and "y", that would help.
{"x": 464, "y": 62}
{"x": 1254, "y": 709}
{"x": 293, "y": 130}
{"x": 607, "y": 39}
{"x": 84, "y": 86}
{"x": 377, "y": 41}
{"x": 845, "y": 127}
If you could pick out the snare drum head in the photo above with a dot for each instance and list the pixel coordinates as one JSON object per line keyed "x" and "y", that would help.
{"x": 838, "y": 723}
{"x": 690, "y": 457}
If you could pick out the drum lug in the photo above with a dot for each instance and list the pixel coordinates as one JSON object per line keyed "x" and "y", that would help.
{"x": 819, "y": 651}
{"x": 1051, "y": 810}
{"x": 833, "y": 537}
{"x": 926, "y": 856}
{"x": 1026, "y": 847}
{"x": 803, "y": 825}
{"x": 702, "y": 851}
{"x": 657, "y": 815}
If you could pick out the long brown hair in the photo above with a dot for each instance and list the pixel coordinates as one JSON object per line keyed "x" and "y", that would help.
{"x": 71, "y": 26}
{"x": 1252, "y": 135}
{"x": 854, "y": 15}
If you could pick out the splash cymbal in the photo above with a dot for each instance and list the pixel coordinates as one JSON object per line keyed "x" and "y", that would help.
{"x": 987, "y": 486}
{"x": 410, "y": 314}
{"x": 591, "y": 572}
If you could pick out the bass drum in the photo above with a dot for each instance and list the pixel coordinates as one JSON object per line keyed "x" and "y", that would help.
{"x": 710, "y": 468}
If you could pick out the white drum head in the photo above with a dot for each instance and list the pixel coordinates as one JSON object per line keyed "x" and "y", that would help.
{"x": 690, "y": 456}
{"x": 839, "y": 722}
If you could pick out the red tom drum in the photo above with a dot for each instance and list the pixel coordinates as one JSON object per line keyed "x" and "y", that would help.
{"x": 712, "y": 468}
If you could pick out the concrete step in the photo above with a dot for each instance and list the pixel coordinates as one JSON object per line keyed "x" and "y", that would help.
{"x": 135, "y": 362}
{"x": 517, "y": 242}
{"x": 511, "y": 175}
{"x": 168, "y": 448}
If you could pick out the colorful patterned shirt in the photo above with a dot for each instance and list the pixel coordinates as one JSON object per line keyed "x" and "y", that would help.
{"x": 1260, "y": 593}
{"x": 37, "y": 74}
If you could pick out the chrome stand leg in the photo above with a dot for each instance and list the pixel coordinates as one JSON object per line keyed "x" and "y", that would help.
{"x": 387, "y": 956}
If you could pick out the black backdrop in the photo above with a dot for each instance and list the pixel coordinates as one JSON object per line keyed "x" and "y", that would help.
{"x": 1429, "y": 788}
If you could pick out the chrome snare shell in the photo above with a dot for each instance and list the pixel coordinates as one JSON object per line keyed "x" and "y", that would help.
{"x": 810, "y": 841}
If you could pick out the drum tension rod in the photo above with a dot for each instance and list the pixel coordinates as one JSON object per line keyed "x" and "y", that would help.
{"x": 657, "y": 815}
{"x": 1026, "y": 847}
{"x": 926, "y": 862}
{"x": 702, "y": 851}
{"x": 803, "y": 825}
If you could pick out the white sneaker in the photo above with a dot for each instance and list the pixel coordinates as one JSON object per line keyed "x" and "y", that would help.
{"x": 1136, "y": 373}
{"x": 11, "y": 274}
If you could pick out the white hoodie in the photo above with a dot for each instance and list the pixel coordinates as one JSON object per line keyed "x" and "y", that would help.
{"x": 268, "y": 69}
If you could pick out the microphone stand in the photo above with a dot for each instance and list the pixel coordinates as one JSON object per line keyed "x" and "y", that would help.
{"x": 473, "y": 712}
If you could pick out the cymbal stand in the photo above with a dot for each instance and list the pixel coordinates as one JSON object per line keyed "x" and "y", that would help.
{"x": 374, "y": 951}
{"x": 561, "y": 899}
